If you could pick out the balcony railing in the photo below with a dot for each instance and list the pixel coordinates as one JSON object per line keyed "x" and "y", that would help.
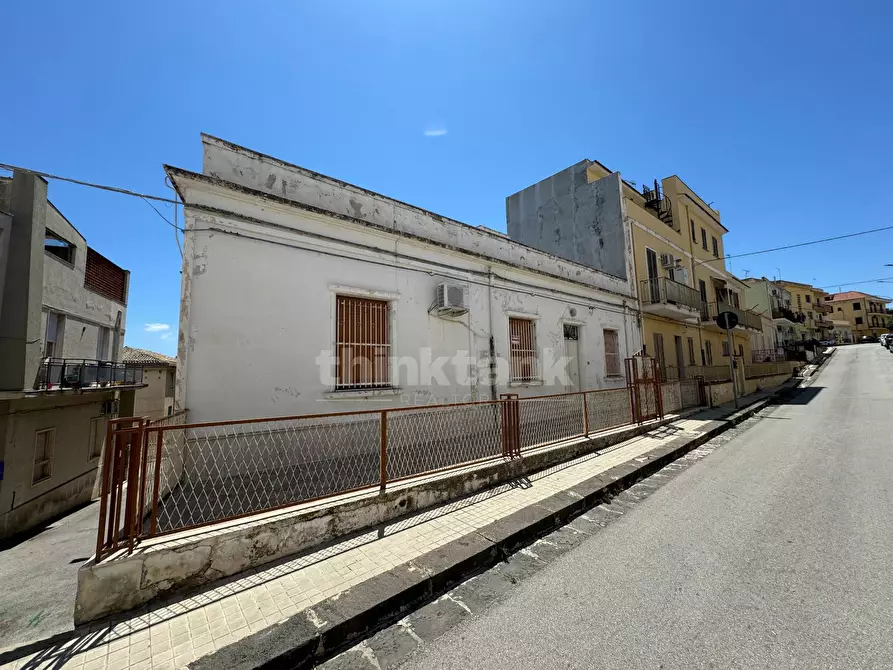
{"x": 823, "y": 308}
{"x": 790, "y": 315}
{"x": 667, "y": 291}
{"x": 86, "y": 373}
{"x": 768, "y": 355}
{"x": 746, "y": 318}
{"x": 659, "y": 203}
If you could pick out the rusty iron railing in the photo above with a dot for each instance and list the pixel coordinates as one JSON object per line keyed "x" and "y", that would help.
{"x": 169, "y": 475}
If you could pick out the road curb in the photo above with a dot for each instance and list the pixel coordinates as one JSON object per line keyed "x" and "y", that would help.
{"x": 332, "y": 625}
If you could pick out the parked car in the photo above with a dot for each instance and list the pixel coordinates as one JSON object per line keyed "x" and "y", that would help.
{"x": 868, "y": 338}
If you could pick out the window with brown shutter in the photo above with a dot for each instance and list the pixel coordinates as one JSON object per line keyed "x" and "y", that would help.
{"x": 612, "y": 352}
{"x": 363, "y": 343}
{"x": 522, "y": 344}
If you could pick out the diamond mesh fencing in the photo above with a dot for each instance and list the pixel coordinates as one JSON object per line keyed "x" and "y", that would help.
{"x": 432, "y": 438}
{"x": 220, "y": 471}
{"x": 192, "y": 474}
{"x": 550, "y": 419}
{"x": 608, "y": 409}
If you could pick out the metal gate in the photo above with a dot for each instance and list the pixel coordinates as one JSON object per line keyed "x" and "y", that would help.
{"x": 643, "y": 378}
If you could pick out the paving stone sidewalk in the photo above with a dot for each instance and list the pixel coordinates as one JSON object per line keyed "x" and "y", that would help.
{"x": 172, "y": 634}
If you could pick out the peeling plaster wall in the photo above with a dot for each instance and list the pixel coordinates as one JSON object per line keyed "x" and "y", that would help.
{"x": 259, "y": 308}
{"x": 570, "y": 217}
{"x": 270, "y": 175}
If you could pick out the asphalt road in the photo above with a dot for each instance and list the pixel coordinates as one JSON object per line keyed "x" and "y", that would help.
{"x": 775, "y": 551}
{"x": 38, "y": 577}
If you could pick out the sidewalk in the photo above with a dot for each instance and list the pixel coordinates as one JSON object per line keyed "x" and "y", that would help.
{"x": 343, "y": 588}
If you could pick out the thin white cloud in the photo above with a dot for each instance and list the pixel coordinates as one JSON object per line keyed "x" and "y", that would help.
{"x": 156, "y": 327}
{"x": 435, "y": 132}
{"x": 166, "y": 336}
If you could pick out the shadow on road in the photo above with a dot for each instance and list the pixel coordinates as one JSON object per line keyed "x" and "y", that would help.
{"x": 801, "y": 396}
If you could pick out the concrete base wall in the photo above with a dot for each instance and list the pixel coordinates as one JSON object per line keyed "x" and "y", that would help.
{"x": 192, "y": 558}
{"x": 722, "y": 392}
{"x": 66, "y": 497}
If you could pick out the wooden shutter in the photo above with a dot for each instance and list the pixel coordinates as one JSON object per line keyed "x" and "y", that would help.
{"x": 612, "y": 352}
{"x": 363, "y": 343}
{"x": 522, "y": 344}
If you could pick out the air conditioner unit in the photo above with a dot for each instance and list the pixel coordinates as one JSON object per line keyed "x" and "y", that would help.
{"x": 450, "y": 300}
{"x": 667, "y": 260}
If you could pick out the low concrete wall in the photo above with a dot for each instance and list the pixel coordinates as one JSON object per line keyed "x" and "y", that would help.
{"x": 721, "y": 392}
{"x": 191, "y": 558}
{"x": 67, "y": 496}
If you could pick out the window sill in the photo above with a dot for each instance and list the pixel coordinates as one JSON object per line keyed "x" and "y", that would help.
{"x": 348, "y": 394}
{"x": 526, "y": 384}
{"x": 614, "y": 377}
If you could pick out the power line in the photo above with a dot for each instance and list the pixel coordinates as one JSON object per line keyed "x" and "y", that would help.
{"x": 147, "y": 197}
{"x": 853, "y": 283}
{"x": 163, "y": 217}
{"x": 799, "y": 244}
{"x": 113, "y": 189}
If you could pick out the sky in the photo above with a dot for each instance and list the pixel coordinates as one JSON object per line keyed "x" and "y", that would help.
{"x": 776, "y": 112}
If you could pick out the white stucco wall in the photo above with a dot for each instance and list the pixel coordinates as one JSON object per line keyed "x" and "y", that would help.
{"x": 64, "y": 292}
{"x": 259, "y": 287}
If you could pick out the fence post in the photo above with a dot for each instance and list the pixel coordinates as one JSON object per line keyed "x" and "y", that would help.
{"x": 585, "y": 415}
{"x": 105, "y": 488}
{"x": 511, "y": 425}
{"x": 134, "y": 484}
{"x": 383, "y": 455}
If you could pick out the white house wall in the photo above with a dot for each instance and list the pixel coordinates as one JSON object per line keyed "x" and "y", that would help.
{"x": 258, "y": 309}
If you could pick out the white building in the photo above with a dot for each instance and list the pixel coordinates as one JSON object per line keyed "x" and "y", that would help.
{"x": 304, "y": 294}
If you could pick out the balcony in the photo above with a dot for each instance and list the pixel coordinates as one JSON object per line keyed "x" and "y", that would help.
{"x": 668, "y": 298}
{"x": 822, "y": 322}
{"x": 747, "y": 320}
{"x": 823, "y": 308}
{"x": 783, "y": 316}
{"x": 86, "y": 374}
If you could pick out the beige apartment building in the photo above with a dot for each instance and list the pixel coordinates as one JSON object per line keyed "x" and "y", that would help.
{"x": 866, "y": 313}
{"x": 156, "y": 400}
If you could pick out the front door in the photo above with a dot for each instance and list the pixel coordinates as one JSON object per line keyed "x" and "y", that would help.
{"x": 653, "y": 283}
{"x": 572, "y": 351}
{"x": 680, "y": 356}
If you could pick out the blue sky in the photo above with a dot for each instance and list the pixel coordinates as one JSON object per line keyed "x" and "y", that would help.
{"x": 777, "y": 112}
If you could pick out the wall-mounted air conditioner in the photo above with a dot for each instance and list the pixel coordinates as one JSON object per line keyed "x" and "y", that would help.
{"x": 667, "y": 261}
{"x": 450, "y": 300}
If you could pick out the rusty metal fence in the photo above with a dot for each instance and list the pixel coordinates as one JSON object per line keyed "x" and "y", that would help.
{"x": 170, "y": 475}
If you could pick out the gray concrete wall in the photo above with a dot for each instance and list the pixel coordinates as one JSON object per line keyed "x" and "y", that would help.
{"x": 23, "y": 503}
{"x": 5, "y": 231}
{"x": 85, "y": 311}
{"x": 20, "y": 336}
{"x": 570, "y": 217}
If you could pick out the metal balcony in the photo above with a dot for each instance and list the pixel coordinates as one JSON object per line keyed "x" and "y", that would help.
{"x": 747, "y": 320}
{"x": 86, "y": 373}
{"x": 823, "y": 308}
{"x": 785, "y": 316}
{"x": 668, "y": 298}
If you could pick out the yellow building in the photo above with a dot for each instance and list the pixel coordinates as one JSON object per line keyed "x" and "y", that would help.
{"x": 810, "y": 301}
{"x": 682, "y": 279}
{"x": 865, "y": 313}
